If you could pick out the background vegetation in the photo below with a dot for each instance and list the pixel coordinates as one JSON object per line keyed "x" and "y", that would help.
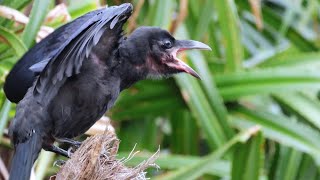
{"x": 254, "y": 115}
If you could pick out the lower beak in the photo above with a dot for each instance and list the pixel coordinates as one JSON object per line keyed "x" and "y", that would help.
{"x": 182, "y": 45}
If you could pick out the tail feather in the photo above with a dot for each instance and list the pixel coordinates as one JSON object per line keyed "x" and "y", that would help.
{"x": 24, "y": 157}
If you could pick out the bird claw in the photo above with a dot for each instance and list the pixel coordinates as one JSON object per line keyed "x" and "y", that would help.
{"x": 59, "y": 163}
{"x": 70, "y": 152}
{"x": 76, "y": 145}
{"x": 72, "y": 142}
{"x": 72, "y": 149}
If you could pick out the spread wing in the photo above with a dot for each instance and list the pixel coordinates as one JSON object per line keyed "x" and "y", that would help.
{"x": 68, "y": 59}
{"x": 23, "y": 74}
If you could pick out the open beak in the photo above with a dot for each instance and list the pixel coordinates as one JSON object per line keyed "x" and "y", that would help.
{"x": 182, "y": 45}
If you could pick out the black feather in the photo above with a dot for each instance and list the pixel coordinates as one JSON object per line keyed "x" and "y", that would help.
{"x": 25, "y": 155}
{"x": 24, "y": 73}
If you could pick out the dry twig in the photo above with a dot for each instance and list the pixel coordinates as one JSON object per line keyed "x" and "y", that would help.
{"x": 20, "y": 18}
{"x": 183, "y": 12}
{"x": 132, "y": 21}
{"x": 256, "y": 10}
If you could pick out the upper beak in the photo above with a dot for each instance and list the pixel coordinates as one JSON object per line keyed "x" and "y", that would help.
{"x": 181, "y": 45}
{"x": 191, "y": 44}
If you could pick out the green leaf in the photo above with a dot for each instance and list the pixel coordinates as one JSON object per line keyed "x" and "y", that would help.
{"x": 307, "y": 169}
{"x": 247, "y": 159}
{"x": 289, "y": 162}
{"x": 143, "y": 109}
{"x": 38, "y": 13}
{"x": 13, "y": 41}
{"x": 274, "y": 19}
{"x": 163, "y": 12}
{"x": 281, "y": 129}
{"x": 235, "y": 85}
{"x": 289, "y": 59}
{"x": 212, "y": 92}
{"x": 213, "y": 120}
{"x": 195, "y": 170}
{"x": 219, "y": 168}
{"x": 17, "y": 4}
{"x": 206, "y": 16}
{"x": 301, "y": 105}
{"x": 4, "y": 116}
{"x": 77, "y": 9}
{"x": 229, "y": 25}
{"x": 184, "y": 138}
{"x": 199, "y": 106}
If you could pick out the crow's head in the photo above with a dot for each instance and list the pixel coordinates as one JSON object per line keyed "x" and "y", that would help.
{"x": 153, "y": 52}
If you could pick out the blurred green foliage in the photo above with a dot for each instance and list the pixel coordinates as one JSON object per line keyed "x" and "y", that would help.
{"x": 254, "y": 115}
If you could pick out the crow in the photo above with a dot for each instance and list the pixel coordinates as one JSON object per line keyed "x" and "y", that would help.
{"x": 65, "y": 83}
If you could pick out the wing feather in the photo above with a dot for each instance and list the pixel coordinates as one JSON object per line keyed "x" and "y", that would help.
{"x": 69, "y": 58}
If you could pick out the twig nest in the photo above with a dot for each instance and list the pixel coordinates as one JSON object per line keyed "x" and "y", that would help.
{"x": 96, "y": 160}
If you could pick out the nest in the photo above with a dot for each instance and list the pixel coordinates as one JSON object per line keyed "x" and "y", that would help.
{"x": 96, "y": 159}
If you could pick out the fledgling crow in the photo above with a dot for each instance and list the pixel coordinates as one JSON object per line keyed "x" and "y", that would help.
{"x": 73, "y": 76}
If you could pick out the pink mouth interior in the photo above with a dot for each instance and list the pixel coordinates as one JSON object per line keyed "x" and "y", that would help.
{"x": 181, "y": 50}
{"x": 177, "y": 51}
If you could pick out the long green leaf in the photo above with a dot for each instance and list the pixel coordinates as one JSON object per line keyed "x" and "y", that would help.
{"x": 281, "y": 129}
{"x": 289, "y": 162}
{"x": 301, "y": 105}
{"x": 17, "y": 4}
{"x": 163, "y": 13}
{"x": 236, "y": 85}
{"x": 185, "y": 136}
{"x": 212, "y": 92}
{"x": 77, "y": 9}
{"x": 274, "y": 19}
{"x": 247, "y": 160}
{"x": 290, "y": 59}
{"x": 196, "y": 100}
{"x": 209, "y": 86}
{"x": 307, "y": 169}
{"x": 4, "y": 116}
{"x": 206, "y": 16}
{"x": 38, "y": 13}
{"x": 229, "y": 25}
{"x": 14, "y": 41}
{"x": 195, "y": 170}
{"x": 219, "y": 168}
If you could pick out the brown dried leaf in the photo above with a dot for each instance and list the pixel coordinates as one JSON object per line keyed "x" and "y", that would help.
{"x": 256, "y": 10}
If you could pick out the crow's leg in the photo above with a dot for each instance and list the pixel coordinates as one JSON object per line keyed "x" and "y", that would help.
{"x": 72, "y": 142}
{"x": 57, "y": 150}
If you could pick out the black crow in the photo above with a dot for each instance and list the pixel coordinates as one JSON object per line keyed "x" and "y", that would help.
{"x": 73, "y": 76}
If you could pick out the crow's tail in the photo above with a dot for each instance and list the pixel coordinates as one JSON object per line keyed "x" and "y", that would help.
{"x": 25, "y": 155}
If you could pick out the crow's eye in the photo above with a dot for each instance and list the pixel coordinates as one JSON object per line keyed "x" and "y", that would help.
{"x": 167, "y": 44}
